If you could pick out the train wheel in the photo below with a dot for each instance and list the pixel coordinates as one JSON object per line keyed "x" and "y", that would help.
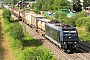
{"x": 43, "y": 35}
{"x": 65, "y": 50}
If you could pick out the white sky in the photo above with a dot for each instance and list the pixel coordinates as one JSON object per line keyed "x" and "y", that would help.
{"x": 71, "y": 0}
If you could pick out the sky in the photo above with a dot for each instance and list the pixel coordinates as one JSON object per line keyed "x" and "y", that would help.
{"x": 71, "y": 0}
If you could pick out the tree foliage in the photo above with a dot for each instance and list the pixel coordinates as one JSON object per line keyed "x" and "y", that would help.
{"x": 86, "y": 3}
{"x": 71, "y": 21}
{"x": 60, "y": 16}
{"x": 7, "y": 14}
{"x": 88, "y": 27}
{"x": 77, "y": 5}
{"x": 16, "y": 31}
{"x": 81, "y": 14}
{"x": 29, "y": 0}
{"x": 37, "y": 54}
{"x": 51, "y": 4}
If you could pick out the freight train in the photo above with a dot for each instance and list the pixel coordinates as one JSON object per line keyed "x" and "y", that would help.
{"x": 62, "y": 35}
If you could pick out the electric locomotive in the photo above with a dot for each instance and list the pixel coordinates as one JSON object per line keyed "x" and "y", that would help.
{"x": 64, "y": 36}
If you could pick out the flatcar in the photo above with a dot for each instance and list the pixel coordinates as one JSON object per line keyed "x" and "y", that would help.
{"x": 64, "y": 36}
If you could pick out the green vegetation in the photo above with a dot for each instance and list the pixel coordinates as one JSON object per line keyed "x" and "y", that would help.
{"x": 80, "y": 20}
{"x": 60, "y": 16}
{"x": 83, "y": 27}
{"x": 51, "y": 5}
{"x": 77, "y": 5}
{"x": 86, "y": 3}
{"x": 24, "y": 46}
{"x": 7, "y": 15}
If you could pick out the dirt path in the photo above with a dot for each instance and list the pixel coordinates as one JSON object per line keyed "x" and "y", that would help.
{"x": 5, "y": 50}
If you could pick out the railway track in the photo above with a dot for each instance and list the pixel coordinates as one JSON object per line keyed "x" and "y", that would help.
{"x": 57, "y": 52}
{"x": 84, "y": 46}
{"x": 75, "y": 56}
{"x": 84, "y": 50}
{"x": 82, "y": 54}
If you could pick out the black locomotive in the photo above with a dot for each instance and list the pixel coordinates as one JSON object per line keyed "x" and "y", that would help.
{"x": 64, "y": 36}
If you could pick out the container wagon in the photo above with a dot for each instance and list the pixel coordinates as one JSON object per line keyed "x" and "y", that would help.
{"x": 28, "y": 18}
{"x": 17, "y": 13}
{"x": 41, "y": 26}
{"x": 34, "y": 21}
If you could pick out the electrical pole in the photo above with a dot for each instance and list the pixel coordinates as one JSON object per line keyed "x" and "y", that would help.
{"x": 72, "y": 5}
{"x": 23, "y": 17}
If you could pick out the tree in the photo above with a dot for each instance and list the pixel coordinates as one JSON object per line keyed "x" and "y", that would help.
{"x": 71, "y": 21}
{"x": 48, "y": 5}
{"x": 88, "y": 27}
{"x": 29, "y": 0}
{"x": 77, "y": 6}
{"x": 60, "y": 16}
{"x": 51, "y": 4}
{"x": 16, "y": 31}
{"x": 86, "y": 3}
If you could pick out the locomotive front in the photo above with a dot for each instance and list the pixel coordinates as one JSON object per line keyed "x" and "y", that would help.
{"x": 69, "y": 38}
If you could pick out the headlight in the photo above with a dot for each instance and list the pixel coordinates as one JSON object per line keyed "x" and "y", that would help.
{"x": 75, "y": 42}
{"x": 64, "y": 42}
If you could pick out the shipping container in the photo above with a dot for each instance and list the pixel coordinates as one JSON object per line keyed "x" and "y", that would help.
{"x": 16, "y": 12}
{"x": 34, "y": 20}
{"x": 28, "y": 18}
{"x": 41, "y": 25}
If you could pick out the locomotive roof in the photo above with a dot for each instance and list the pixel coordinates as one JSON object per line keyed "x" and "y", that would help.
{"x": 62, "y": 27}
{"x": 53, "y": 26}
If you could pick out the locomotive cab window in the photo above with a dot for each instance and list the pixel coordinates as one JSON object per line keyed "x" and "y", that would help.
{"x": 69, "y": 33}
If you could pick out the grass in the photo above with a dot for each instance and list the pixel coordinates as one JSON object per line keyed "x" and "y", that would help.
{"x": 83, "y": 34}
{"x": 29, "y": 45}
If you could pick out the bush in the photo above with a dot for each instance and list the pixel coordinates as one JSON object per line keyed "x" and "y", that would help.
{"x": 32, "y": 49}
{"x": 81, "y": 14}
{"x": 16, "y": 31}
{"x": 80, "y": 22}
{"x": 16, "y": 44}
{"x": 37, "y": 11}
{"x": 88, "y": 27}
{"x": 7, "y": 14}
{"x": 60, "y": 16}
{"x": 37, "y": 54}
{"x": 70, "y": 21}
